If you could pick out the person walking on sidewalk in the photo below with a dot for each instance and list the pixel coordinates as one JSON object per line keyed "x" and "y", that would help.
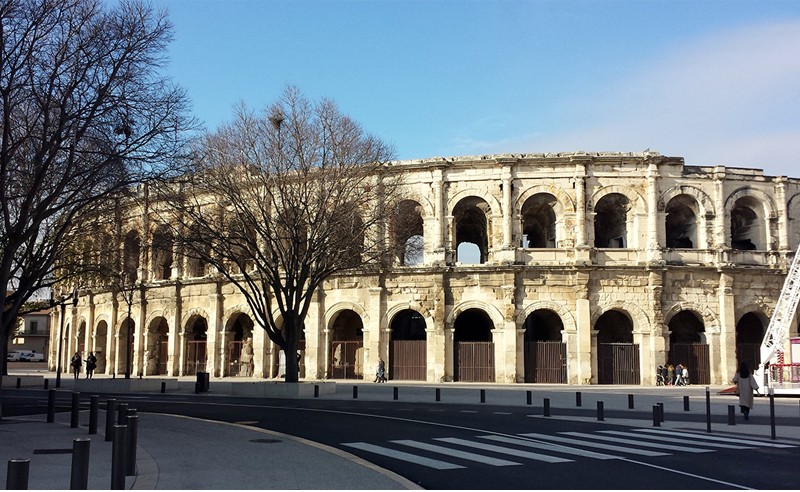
{"x": 76, "y": 364}
{"x": 91, "y": 364}
{"x": 745, "y": 384}
{"x": 380, "y": 374}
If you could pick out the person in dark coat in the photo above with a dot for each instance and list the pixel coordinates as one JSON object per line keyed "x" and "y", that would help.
{"x": 76, "y": 364}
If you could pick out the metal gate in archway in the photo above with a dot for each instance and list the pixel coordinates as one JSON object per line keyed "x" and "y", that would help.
{"x": 546, "y": 362}
{"x": 408, "y": 360}
{"x": 475, "y": 362}
{"x": 346, "y": 360}
{"x": 618, "y": 363}
{"x": 195, "y": 357}
{"x": 693, "y": 356}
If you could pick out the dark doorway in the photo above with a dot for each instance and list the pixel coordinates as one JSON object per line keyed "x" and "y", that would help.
{"x": 474, "y": 349}
{"x": 408, "y": 348}
{"x": 617, "y": 355}
{"x": 545, "y": 354}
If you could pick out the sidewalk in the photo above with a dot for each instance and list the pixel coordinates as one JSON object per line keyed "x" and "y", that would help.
{"x": 184, "y": 453}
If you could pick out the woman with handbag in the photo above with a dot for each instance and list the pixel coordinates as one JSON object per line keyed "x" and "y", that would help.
{"x": 745, "y": 384}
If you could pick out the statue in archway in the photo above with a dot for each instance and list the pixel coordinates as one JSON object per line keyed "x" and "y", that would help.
{"x": 247, "y": 357}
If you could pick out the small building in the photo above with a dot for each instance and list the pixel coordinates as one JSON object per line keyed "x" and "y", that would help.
{"x": 32, "y": 333}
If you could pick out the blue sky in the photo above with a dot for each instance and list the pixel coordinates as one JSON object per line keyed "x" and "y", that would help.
{"x": 717, "y": 82}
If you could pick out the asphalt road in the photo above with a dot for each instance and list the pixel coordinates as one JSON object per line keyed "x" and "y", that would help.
{"x": 448, "y": 446}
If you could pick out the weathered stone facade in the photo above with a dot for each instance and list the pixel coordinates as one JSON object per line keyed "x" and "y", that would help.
{"x": 589, "y": 268}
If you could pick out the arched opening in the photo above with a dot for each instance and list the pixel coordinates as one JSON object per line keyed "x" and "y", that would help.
{"x": 545, "y": 353}
{"x": 100, "y": 344}
{"x": 539, "y": 221}
{"x": 239, "y": 343}
{"x": 471, "y": 222}
{"x": 196, "y": 252}
{"x": 80, "y": 340}
{"x": 611, "y": 221}
{"x": 749, "y": 335}
{"x": 349, "y": 235}
{"x": 681, "y": 222}
{"x": 617, "y": 355}
{"x": 409, "y": 238}
{"x": 474, "y": 350}
{"x": 125, "y": 352}
{"x": 688, "y": 347}
{"x": 196, "y": 337}
{"x": 156, "y": 355}
{"x": 162, "y": 253}
{"x": 131, "y": 251}
{"x": 408, "y": 358}
{"x": 347, "y": 346}
{"x": 748, "y": 230}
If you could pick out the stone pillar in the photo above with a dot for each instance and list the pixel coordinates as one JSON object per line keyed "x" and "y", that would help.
{"x": 727, "y": 338}
{"x": 654, "y": 352}
{"x": 90, "y": 334}
{"x": 500, "y": 363}
{"x": 137, "y": 368}
{"x": 173, "y": 338}
{"x": 783, "y": 213}
{"x": 213, "y": 341}
{"x": 583, "y": 320}
{"x": 508, "y": 209}
{"x": 112, "y": 333}
{"x": 438, "y": 204}
{"x": 372, "y": 332}
{"x": 580, "y": 203}
{"x": 327, "y": 354}
{"x": 449, "y": 359}
{"x": 653, "y": 215}
{"x": 520, "y": 355}
{"x": 720, "y": 227}
{"x": 314, "y": 334}
{"x": 433, "y": 360}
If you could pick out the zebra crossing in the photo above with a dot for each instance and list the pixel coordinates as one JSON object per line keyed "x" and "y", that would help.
{"x": 449, "y": 453}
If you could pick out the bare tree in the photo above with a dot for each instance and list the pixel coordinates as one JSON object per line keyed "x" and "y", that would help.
{"x": 282, "y": 200}
{"x": 85, "y": 115}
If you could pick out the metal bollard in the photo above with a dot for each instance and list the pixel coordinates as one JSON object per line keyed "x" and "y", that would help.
{"x": 122, "y": 413}
{"x": 547, "y": 407}
{"x": 118, "y": 458}
{"x": 661, "y": 410}
{"x": 656, "y": 416}
{"x": 17, "y": 476}
{"x": 438, "y": 394}
{"x": 630, "y": 401}
{"x": 772, "y": 413}
{"x": 51, "y": 406}
{"x": 19, "y": 383}
{"x": 94, "y": 400}
{"x": 577, "y": 398}
{"x": 111, "y": 406}
{"x": 708, "y": 409}
{"x": 79, "y": 478}
{"x": 163, "y": 386}
{"x": 600, "y": 416}
{"x": 395, "y": 392}
{"x": 75, "y": 410}
{"x": 731, "y": 415}
{"x": 528, "y": 397}
{"x": 46, "y": 383}
{"x": 131, "y": 439}
{"x": 685, "y": 403}
{"x": 483, "y": 396}
{"x": 355, "y": 392}
{"x": 316, "y": 391}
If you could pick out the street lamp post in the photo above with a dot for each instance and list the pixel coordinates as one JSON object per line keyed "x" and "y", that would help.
{"x": 63, "y": 304}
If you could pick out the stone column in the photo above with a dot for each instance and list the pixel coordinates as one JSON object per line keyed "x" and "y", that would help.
{"x": 327, "y": 354}
{"x": 508, "y": 209}
{"x": 112, "y": 334}
{"x": 372, "y": 332}
{"x": 438, "y": 204}
{"x": 173, "y": 338}
{"x": 727, "y": 336}
{"x": 783, "y": 213}
{"x": 213, "y": 342}
{"x": 449, "y": 362}
{"x": 583, "y": 320}
{"x": 719, "y": 204}
{"x": 580, "y": 203}
{"x": 653, "y": 215}
{"x": 137, "y": 368}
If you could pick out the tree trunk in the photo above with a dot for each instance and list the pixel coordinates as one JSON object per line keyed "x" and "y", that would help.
{"x": 292, "y": 326}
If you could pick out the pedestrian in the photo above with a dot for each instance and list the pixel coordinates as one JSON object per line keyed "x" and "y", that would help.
{"x": 670, "y": 374}
{"x": 679, "y": 375}
{"x": 91, "y": 364}
{"x": 380, "y": 374}
{"x": 685, "y": 375}
{"x": 660, "y": 375}
{"x": 665, "y": 375}
{"x": 76, "y": 364}
{"x": 745, "y": 384}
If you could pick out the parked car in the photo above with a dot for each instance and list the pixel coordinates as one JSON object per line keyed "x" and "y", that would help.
{"x": 25, "y": 356}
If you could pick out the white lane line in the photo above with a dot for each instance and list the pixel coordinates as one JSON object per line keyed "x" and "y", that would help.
{"x": 734, "y": 440}
{"x": 634, "y": 442}
{"x": 501, "y": 450}
{"x": 456, "y": 453}
{"x": 469, "y": 411}
{"x": 558, "y": 448}
{"x": 609, "y": 447}
{"x": 678, "y": 440}
{"x": 400, "y": 455}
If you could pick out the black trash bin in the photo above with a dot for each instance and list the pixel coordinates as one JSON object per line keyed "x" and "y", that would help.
{"x": 201, "y": 384}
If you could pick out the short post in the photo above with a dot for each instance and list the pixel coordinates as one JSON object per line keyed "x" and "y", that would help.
{"x": 51, "y": 406}
{"x": 122, "y": 413}
{"x": 600, "y": 416}
{"x": 17, "y": 476}
{"x": 630, "y": 401}
{"x": 163, "y": 386}
{"x": 111, "y": 406}
{"x": 395, "y": 393}
{"x": 438, "y": 394}
{"x": 355, "y": 392}
{"x": 131, "y": 439}
{"x": 19, "y": 383}
{"x": 94, "y": 401}
{"x": 686, "y": 403}
{"x": 76, "y": 409}
{"x": 708, "y": 409}
{"x": 772, "y": 412}
{"x": 528, "y": 397}
{"x": 656, "y": 416}
{"x": 731, "y": 415}
{"x": 661, "y": 410}
{"x": 577, "y": 398}
{"x": 46, "y": 383}
{"x": 316, "y": 391}
{"x": 483, "y": 396}
{"x": 547, "y": 407}
{"x": 118, "y": 458}
{"x": 79, "y": 478}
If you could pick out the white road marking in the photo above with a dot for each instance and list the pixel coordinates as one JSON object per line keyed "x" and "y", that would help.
{"x": 400, "y": 455}
{"x": 501, "y": 450}
{"x": 609, "y": 447}
{"x": 456, "y": 453}
{"x": 634, "y": 442}
{"x": 734, "y": 440}
{"x": 678, "y": 440}
{"x": 558, "y": 448}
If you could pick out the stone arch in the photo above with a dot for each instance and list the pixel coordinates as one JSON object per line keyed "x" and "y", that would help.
{"x": 472, "y": 224}
{"x": 708, "y": 318}
{"x": 761, "y": 310}
{"x": 407, "y": 232}
{"x": 423, "y": 200}
{"x": 636, "y": 313}
{"x": 703, "y": 200}
{"x": 494, "y": 314}
{"x": 495, "y": 207}
{"x": 394, "y": 310}
{"x": 132, "y": 254}
{"x": 190, "y": 314}
{"x": 159, "y": 313}
{"x": 565, "y": 202}
{"x": 331, "y": 312}
{"x": 565, "y": 314}
{"x": 749, "y": 215}
{"x": 638, "y": 203}
{"x": 793, "y": 218}
{"x": 98, "y": 319}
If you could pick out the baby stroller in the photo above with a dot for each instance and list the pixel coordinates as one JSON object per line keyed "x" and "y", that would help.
{"x": 659, "y": 379}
